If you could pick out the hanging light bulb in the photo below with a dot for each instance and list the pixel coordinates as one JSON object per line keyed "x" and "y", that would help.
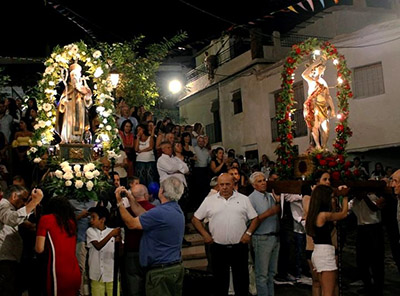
{"x": 340, "y": 80}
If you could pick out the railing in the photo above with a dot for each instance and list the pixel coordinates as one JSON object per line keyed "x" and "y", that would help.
{"x": 287, "y": 40}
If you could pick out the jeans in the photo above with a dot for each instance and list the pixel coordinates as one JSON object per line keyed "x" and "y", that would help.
{"x": 266, "y": 252}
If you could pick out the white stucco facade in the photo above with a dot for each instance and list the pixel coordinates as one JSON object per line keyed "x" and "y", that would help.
{"x": 374, "y": 119}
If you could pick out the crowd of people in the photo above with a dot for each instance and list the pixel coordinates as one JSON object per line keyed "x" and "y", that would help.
{"x": 166, "y": 176}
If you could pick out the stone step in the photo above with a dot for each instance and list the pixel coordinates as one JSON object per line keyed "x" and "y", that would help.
{"x": 194, "y": 252}
{"x": 199, "y": 264}
{"x": 195, "y": 239}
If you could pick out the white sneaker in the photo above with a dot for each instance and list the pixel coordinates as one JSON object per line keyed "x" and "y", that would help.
{"x": 305, "y": 280}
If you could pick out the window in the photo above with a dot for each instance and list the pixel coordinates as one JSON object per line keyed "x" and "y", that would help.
{"x": 368, "y": 81}
{"x": 237, "y": 102}
{"x": 299, "y": 124}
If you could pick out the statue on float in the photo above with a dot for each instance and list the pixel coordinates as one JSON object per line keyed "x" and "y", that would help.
{"x": 74, "y": 102}
{"x": 318, "y": 108}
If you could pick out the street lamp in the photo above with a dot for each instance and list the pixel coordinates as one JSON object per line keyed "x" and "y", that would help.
{"x": 175, "y": 86}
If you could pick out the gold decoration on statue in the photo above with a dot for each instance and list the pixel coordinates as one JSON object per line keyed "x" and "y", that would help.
{"x": 303, "y": 166}
{"x": 76, "y": 153}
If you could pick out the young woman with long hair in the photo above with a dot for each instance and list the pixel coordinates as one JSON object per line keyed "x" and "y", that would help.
{"x": 320, "y": 178}
{"x": 57, "y": 234}
{"x": 319, "y": 225}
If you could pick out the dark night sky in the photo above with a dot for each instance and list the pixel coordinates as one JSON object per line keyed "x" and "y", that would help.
{"x": 31, "y": 28}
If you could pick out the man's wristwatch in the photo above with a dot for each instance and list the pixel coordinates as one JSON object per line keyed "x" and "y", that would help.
{"x": 248, "y": 233}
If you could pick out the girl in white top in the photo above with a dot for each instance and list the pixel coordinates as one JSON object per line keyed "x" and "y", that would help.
{"x": 145, "y": 159}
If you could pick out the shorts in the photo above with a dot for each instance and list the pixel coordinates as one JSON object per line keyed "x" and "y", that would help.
{"x": 323, "y": 258}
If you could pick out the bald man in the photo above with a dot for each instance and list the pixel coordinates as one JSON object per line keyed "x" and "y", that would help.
{"x": 133, "y": 274}
{"x": 229, "y": 213}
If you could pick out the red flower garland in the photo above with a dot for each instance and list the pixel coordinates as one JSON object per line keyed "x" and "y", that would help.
{"x": 285, "y": 151}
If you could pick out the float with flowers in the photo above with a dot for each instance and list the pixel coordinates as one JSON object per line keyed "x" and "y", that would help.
{"x": 317, "y": 159}
{"x": 73, "y": 170}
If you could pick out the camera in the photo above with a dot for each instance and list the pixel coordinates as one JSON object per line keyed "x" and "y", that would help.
{"x": 123, "y": 194}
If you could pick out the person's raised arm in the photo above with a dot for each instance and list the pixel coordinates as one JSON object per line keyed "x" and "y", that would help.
{"x": 130, "y": 222}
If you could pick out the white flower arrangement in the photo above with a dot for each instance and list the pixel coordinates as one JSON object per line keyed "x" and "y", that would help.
{"x": 77, "y": 181}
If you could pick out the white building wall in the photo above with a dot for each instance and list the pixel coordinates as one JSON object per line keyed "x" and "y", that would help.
{"x": 374, "y": 120}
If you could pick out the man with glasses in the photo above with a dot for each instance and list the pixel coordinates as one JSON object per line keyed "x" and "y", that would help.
{"x": 15, "y": 206}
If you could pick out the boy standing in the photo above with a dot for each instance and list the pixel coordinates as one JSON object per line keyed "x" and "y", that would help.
{"x": 100, "y": 241}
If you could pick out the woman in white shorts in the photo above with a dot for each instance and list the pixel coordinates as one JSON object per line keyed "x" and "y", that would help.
{"x": 319, "y": 225}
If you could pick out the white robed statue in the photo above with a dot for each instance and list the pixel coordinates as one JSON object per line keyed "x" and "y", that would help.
{"x": 76, "y": 97}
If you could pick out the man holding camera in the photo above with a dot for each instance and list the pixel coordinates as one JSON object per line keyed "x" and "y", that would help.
{"x": 163, "y": 230}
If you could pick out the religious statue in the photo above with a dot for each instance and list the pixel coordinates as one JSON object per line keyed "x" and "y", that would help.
{"x": 318, "y": 108}
{"x": 74, "y": 100}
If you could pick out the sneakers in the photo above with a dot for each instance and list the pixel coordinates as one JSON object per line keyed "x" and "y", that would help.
{"x": 278, "y": 280}
{"x": 305, "y": 280}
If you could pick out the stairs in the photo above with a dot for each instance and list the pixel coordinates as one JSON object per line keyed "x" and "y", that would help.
{"x": 194, "y": 257}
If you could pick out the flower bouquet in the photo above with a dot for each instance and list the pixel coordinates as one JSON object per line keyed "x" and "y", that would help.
{"x": 80, "y": 182}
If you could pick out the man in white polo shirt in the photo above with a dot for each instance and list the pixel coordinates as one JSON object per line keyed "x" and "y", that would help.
{"x": 229, "y": 213}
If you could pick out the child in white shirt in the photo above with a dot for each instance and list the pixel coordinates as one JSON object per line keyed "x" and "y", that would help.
{"x": 100, "y": 240}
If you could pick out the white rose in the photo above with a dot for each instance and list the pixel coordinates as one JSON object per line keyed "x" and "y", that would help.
{"x": 33, "y": 149}
{"x": 77, "y": 168}
{"x": 59, "y": 174}
{"x": 97, "y": 54}
{"x": 47, "y": 107}
{"x": 89, "y": 175}
{"x": 63, "y": 164}
{"x": 39, "y": 143}
{"x": 78, "y": 174}
{"x": 105, "y": 121}
{"x": 41, "y": 123}
{"x": 105, "y": 114}
{"x": 68, "y": 175}
{"x": 78, "y": 184}
{"x": 89, "y": 185}
{"x": 98, "y": 72}
{"x": 67, "y": 169}
{"x": 108, "y": 127}
{"x": 68, "y": 183}
{"x": 36, "y": 126}
{"x": 37, "y": 160}
{"x": 48, "y": 123}
{"x": 86, "y": 168}
{"x": 96, "y": 173}
{"x": 49, "y": 114}
{"x": 100, "y": 109}
{"x": 91, "y": 166}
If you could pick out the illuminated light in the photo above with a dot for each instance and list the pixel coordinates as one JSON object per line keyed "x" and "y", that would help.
{"x": 335, "y": 62}
{"x": 175, "y": 86}
{"x": 317, "y": 52}
{"x": 340, "y": 80}
{"x": 339, "y": 116}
